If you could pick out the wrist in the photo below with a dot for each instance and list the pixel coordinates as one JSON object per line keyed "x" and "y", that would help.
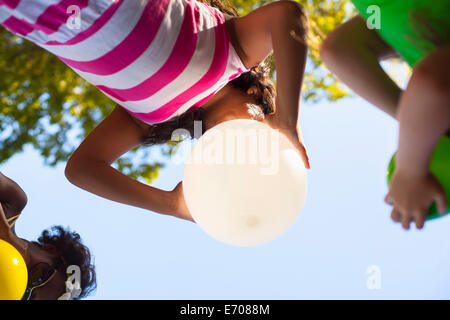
{"x": 413, "y": 159}
{"x": 413, "y": 169}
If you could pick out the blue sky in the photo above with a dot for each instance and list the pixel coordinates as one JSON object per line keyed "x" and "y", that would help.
{"x": 343, "y": 229}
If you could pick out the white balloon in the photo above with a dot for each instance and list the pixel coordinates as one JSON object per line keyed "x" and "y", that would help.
{"x": 244, "y": 183}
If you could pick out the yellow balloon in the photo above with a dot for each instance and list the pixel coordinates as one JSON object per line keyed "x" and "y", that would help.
{"x": 13, "y": 273}
{"x": 244, "y": 183}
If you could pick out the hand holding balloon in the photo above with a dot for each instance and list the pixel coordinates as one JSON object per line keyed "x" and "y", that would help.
{"x": 411, "y": 197}
{"x": 293, "y": 133}
{"x": 421, "y": 197}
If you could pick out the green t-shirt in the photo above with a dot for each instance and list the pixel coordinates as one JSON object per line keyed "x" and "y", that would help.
{"x": 413, "y": 28}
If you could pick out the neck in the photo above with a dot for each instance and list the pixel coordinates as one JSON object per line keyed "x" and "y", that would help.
{"x": 214, "y": 108}
{"x": 228, "y": 103}
{"x": 221, "y": 94}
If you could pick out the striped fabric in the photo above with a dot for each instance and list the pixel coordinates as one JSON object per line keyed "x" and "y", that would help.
{"x": 155, "y": 58}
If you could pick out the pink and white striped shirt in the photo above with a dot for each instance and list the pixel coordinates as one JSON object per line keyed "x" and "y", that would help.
{"x": 155, "y": 58}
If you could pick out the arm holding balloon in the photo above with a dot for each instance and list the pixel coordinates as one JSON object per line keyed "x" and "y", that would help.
{"x": 279, "y": 27}
{"x": 90, "y": 166}
{"x": 353, "y": 52}
{"x": 424, "y": 116}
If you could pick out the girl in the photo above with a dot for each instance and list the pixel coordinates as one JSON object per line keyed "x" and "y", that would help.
{"x": 419, "y": 31}
{"x": 47, "y": 258}
{"x": 168, "y": 63}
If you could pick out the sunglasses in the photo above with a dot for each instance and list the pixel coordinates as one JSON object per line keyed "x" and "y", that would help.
{"x": 38, "y": 276}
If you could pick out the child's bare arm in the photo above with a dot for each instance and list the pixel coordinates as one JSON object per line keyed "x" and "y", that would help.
{"x": 90, "y": 166}
{"x": 353, "y": 53}
{"x": 279, "y": 27}
{"x": 424, "y": 116}
{"x": 424, "y": 112}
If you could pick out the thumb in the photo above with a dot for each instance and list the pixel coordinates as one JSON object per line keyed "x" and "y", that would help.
{"x": 388, "y": 199}
{"x": 305, "y": 156}
{"x": 303, "y": 153}
{"x": 441, "y": 202}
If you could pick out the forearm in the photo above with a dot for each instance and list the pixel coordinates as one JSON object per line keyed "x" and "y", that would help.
{"x": 90, "y": 166}
{"x": 424, "y": 119}
{"x": 424, "y": 112}
{"x": 353, "y": 53}
{"x": 288, "y": 35}
{"x": 100, "y": 178}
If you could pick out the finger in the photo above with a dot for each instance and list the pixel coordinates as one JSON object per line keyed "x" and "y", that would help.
{"x": 303, "y": 153}
{"x": 299, "y": 146}
{"x": 406, "y": 221}
{"x": 419, "y": 218}
{"x": 441, "y": 202}
{"x": 305, "y": 157}
{"x": 395, "y": 215}
{"x": 388, "y": 200}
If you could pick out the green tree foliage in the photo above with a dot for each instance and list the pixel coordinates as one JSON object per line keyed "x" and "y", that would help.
{"x": 44, "y": 104}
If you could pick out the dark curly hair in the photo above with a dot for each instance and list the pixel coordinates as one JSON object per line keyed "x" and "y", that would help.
{"x": 73, "y": 252}
{"x": 258, "y": 76}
